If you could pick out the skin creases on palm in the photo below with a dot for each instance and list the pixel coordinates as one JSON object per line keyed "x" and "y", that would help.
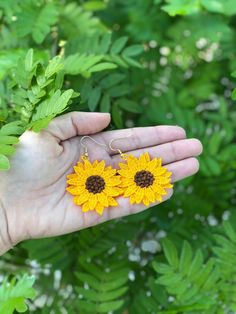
{"x": 34, "y": 192}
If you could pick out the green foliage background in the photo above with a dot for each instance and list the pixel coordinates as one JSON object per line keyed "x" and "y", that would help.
{"x": 147, "y": 62}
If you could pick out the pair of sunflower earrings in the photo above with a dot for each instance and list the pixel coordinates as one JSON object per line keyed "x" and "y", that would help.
{"x": 95, "y": 186}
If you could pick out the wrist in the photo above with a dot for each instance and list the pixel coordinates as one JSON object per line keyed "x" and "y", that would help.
{"x": 6, "y": 242}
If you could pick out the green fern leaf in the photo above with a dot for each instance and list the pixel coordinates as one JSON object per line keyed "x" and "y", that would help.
{"x": 170, "y": 253}
{"x": 46, "y": 18}
{"x": 36, "y": 20}
{"x": 102, "y": 66}
{"x": 225, "y": 252}
{"x": 75, "y": 20}
{"x": 81, "y": 64}
{"x": 49, "y": 108}
{"x": 118, "y": 45}
{"x": 105, "y": 287}
{"x": 4, "y": 162}
{"x": 13, "y": 294}
{"x": 55, "y": 251}
{"x": 188, "y": 278}
{"x": 7, "y": 140}
{"x": 54, "y": 66}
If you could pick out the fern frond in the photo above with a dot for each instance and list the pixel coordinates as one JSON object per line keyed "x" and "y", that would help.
{"x": 35, "y": 96}
{"x": 187, "y": 277}
{"x": 76, "y": 21}
{"x": 7, "y": 140}
{"x": 225, "y": 252}
{"x": 105, "y": 287}
{"x": 152, "y": 299}
{"x": 13, "y": 294}
{"x": 36, "y": 20}
{"x": 52, "y": 251}
{"x": 56, "y": 104}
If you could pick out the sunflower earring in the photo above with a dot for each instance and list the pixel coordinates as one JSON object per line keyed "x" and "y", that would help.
{"x": 93, "y": 185}
{"x": 142, "y": 180}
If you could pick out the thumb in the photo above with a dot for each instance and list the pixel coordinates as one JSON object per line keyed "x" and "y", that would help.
{"x": 78, "y": 123}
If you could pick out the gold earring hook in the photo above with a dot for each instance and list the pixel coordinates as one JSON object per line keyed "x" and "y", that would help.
{"x": 85, "y": 155}
{"x": 123, "y": 155}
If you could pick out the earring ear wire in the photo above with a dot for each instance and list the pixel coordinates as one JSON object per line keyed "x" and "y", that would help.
{"x": 85, "y": 155}
{"x": 94, "y": 185}
{"x": 122, "y": 155}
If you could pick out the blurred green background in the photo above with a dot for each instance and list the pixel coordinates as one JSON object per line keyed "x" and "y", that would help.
{"x": 147, "y": 62}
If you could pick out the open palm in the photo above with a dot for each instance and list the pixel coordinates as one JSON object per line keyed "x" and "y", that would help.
{"x": 33, "y": 192}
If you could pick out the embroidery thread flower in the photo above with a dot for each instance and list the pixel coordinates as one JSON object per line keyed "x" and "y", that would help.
{"x": 94, "y": 186}
{"x": 144, "y": 180}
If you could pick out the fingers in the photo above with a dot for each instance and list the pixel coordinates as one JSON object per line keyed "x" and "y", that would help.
{"x": 136, "y": 138}
{"x": 183, "y": 168}
{"x": 78, "y": 123}
{"x": 180, "y": 170}
{"x": 169, "y": 152}
{"x": 74, "y": 219}
{"x": 125, "y": 208}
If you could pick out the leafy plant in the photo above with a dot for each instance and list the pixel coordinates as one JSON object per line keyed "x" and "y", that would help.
{"x": 13, "y": 294}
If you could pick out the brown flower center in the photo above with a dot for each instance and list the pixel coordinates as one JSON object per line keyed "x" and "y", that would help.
{"x": 95, "y": 184}
{"x": 144, "y": 178}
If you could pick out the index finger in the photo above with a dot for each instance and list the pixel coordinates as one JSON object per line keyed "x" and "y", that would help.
{"x": 141, "y": 137}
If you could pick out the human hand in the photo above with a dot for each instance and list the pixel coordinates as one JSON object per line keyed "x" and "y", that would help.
{"x": 34, "y": 202}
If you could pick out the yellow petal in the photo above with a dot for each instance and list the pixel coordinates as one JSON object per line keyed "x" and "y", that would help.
{"x": 130, "y": 190}
{"x": 162, "y": 180}
{"x": 123, "y": 165}
{"x": 168, "y": 186}
{"x": 114, "y": 181}
{"x": 146, "y": 201}
{"x": 107, "y": 173}
{"x": 132, "y": 199}
{"x": 92, "y": 202}
{"x": 139, "y": 195}
{"x": 82, "y": 198}
{"x": 112, "y": 201}
{"x": 150, "y": 195}
{"x": 87, "y": 165}
{"x": 147, "y": 156}
{"x": 159, "y": 171}
{"x": 126, "y": 173}
{"x": 85, "y": 207}
{"x": 99, "y": 208}
{"x": 159, "y": 189}
{"x": 142, "y": 162}
{"x": 72, "y": 176}
{"x": 132, "y": 163}
{"x": 102, "y": 198}
{"x": 80, "y": 165}
{"x": 75, "y": 190}
{"x": 100, "y": 167}
{"x": 162, "y": 191}
{"x": 126, "y": 182}
{"x": 168, "y": 174}
{"x": 80, "y": 172}
{"x": 155, "y": 187}
{"x": 73, "y": 181}
{"x": 159, "y": 162}
{"x": 113, "y": 191}
{"x": 158, "y": 197}
{"x": 152, "y": 165}
{"x": 80, "y": 182}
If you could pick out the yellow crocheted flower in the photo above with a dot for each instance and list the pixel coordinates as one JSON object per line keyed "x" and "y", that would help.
{"x": 144, "y": 180}
{"x": 94, "y": 186}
